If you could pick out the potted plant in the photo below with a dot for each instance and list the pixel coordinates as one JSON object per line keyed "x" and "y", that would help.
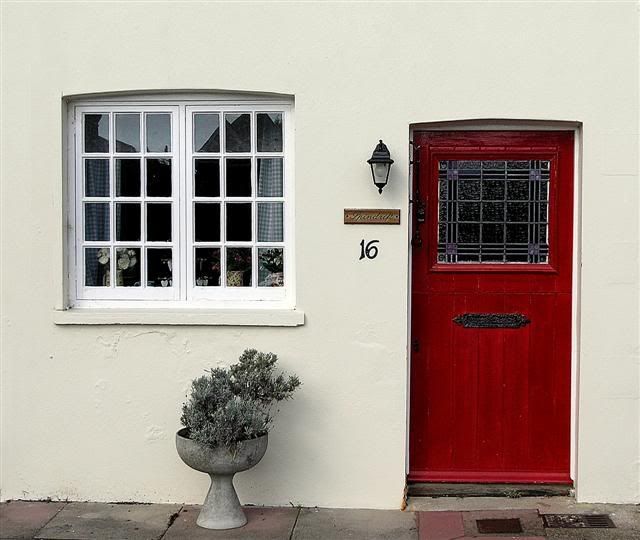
{"x": 238, "y": 266}
{"x": 271, "y": 262}
{"x": 226, "y": 419}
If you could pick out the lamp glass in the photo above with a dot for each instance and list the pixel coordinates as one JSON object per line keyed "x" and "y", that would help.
{"x": 380, "y": 172}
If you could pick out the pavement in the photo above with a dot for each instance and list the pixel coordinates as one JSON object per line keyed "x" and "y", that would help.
{"x": 443, "y": 518}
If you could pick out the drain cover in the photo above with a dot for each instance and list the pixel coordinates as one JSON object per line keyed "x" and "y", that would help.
{"x": 497, "y": 526}
{"x": 578, "y": 521}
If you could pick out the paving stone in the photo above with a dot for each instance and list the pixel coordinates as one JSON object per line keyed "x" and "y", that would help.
{"x": 440, "y": 525}
{"x": 20, "y": 519}
{"x": 593, "y": 534}
{"x": 110, "y": 521}
{"x": 343, "y": 524}
{"x": 263, "y": 524}
{"x": 501, "y": 537}
{"x": 532, "y": 524}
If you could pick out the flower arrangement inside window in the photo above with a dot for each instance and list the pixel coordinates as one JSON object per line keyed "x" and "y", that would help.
{"x": 128, "y": 269}
{"x": 271, "y": 268}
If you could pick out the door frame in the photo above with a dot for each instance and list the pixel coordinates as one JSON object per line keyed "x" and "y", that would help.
{"x": 513, "y": 125}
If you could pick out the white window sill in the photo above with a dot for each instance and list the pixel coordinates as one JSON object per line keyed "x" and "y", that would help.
{"x": 183, "y": 317}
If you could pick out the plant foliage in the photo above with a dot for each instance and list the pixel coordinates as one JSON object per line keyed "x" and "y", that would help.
{"x": 233, "y": 404}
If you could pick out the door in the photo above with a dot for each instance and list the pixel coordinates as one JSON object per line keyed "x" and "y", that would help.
{"x": 491, "y": 307}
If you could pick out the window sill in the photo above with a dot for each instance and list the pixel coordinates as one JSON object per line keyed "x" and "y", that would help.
{"x": 181, "y": 317}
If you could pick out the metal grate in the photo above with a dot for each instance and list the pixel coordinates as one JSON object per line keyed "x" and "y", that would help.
{"x": 493, "y": 211}
{"x": 578, "y": 521}
{"x": 499, "y": 526}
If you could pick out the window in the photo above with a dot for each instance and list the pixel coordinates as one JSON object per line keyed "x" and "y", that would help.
{"x": 181, "y": 202}
{"x": 493, "y": 211}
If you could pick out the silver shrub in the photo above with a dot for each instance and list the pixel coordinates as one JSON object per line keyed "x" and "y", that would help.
{"x": 233, "y": 404}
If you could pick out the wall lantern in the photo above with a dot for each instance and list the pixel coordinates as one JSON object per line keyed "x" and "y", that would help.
{"x": 380, "y": 165}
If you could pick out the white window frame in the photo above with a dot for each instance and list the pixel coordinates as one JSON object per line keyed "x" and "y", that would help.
{"x": 184, "y": 292}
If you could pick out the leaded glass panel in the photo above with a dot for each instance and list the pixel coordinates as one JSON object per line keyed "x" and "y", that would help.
{"x": 493, "y": 211}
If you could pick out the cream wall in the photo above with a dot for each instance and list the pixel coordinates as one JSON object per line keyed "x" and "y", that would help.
{"x": 89, "y": 412}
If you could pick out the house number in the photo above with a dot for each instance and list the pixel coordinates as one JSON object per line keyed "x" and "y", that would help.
{"x": 368, "y": 250}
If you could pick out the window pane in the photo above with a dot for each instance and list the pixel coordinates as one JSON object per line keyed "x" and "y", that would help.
{"x": 207, "y": 177}
{"x": 207, "y": 267}
{"x": 469, "y": 211}
{"x": 127, "y": 132}
{"x": 159, "y": 222}
{"x": 127, "y": 221}
{"x": 96, "y": 221}
{"x": 270, "y": 222}
{"x": 128, "y": 267}
{"x": 238, "y": 222}
{"x": 517, "y": 233}
{"x": 468, "y": 233}
{"x": 238, "y": 267}
{"x": 270, "y": 267}
{"x": 158, "y": 132}
{"x": 492, "y": 233}
{"x": 518, "y": 212}
{"x": 238, "y": 132}
{"x": 96, "y": 132}
{"x": 269, "y": 175}
{"x": 96, "y": 177}
{"x": 206, "y": 132}
{"x": 493, "y": 190}
{"x": 158, "y": 177}
{"x": 492, "y": 212}
{"x": 517, "y": 190}
{"x": 269, "y": 132}
{"x": 96, "y": 267}
{"x": 469, "y": 190}
{"x": 159, "y": 267}
{"x": 127, "y": 178}
{"x": 238, "y": 178}
{"x": 207, "y": 222}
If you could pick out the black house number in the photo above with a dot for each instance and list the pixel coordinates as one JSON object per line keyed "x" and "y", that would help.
{"x": 368, "y": 250}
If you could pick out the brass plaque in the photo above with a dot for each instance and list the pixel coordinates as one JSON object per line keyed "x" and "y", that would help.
{"x": 371, "y": 216}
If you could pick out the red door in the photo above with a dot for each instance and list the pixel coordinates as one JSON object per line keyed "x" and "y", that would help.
{"x": 491, "y": 307}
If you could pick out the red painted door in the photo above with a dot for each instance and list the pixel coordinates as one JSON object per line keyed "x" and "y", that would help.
{"x": 491, "y": 307}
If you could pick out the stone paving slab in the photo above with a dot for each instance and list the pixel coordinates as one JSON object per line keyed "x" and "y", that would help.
{"x": 21, "y": 519}
{"x": 593, "y": 534}
{"x": 440, "y": 525}
{"x": 81, "y": 521}
{"x": 263, "y": 524}
{"x": 343, "y": 524}
{"x": 501, "y": 537}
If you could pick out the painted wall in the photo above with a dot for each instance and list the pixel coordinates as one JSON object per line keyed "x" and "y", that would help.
{"x": 89, "y": 412}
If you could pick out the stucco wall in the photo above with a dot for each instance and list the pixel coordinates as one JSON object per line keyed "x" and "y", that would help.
{"x": 89, "y": 412}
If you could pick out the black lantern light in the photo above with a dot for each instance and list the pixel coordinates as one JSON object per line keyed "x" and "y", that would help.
{"x": 380, "y": 165}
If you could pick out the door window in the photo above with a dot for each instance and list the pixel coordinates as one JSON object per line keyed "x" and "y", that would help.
{"x": 493, "y": 211}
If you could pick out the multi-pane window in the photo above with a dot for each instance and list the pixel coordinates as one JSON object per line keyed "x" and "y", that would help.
{"x": 493, "y": 211}
{"x": 182, "y": 202}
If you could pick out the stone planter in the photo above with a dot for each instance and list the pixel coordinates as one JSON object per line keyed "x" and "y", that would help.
{"x": 221, "y": 509}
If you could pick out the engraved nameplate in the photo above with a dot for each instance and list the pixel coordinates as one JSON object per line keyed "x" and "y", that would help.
{"x": 371, "y": 216}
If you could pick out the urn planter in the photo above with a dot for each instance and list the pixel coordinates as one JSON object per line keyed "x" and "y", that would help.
{"x": 221, "y": 508}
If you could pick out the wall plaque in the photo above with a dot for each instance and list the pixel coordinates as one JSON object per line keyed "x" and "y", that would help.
{"x": 371, "y": 216}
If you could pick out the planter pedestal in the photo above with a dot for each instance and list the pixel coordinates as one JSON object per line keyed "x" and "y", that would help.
{"x": 221, "y": 509}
